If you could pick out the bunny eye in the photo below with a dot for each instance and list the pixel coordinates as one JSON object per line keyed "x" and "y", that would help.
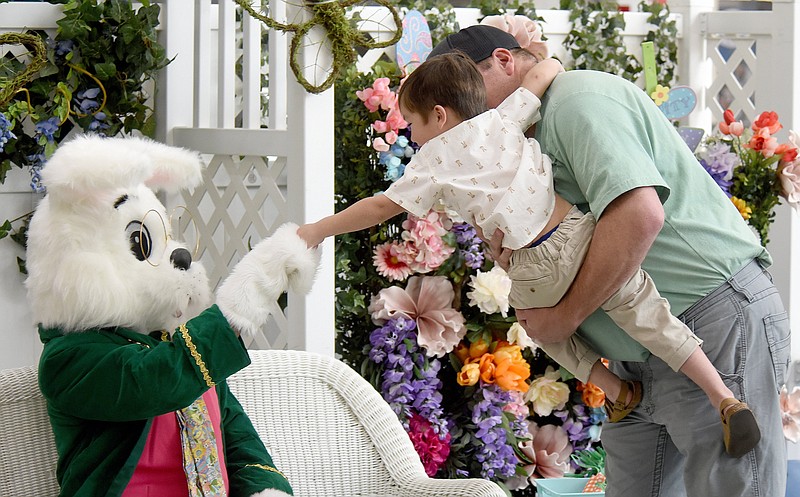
{"x": 141, "y": 242}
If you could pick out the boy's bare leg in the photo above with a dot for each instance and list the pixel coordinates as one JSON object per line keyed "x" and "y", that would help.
{"x": 700, "y": 370}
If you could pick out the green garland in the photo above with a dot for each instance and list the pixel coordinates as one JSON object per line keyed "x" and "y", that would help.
{"x": 344, "y": 38}
{"x": 38, "y": 61}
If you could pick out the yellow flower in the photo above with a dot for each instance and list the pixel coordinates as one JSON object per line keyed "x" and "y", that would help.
{"x": 660, "y": 94}
{"x": 744, "y": 209}
{"x": 469, "y": 374}
{"x": 547, "y": 393}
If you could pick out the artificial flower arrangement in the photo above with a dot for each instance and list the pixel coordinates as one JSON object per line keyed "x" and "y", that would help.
{"x": 424, "y": 315}
{"x": 790, "y": 413}
{"x": 753, "y": 168}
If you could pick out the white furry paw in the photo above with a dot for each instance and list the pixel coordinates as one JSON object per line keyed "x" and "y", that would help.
{"x": 276, "y": 264}
{"x": 270, "y": 492}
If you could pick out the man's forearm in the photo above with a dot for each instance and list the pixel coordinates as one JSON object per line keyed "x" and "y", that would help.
{"x": 623, "y": 236}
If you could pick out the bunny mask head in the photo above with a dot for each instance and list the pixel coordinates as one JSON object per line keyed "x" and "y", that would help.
{"x": 100, "y": 251}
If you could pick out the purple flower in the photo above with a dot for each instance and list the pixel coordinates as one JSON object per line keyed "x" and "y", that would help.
{"x": 5, "y": 131}
{"x": 410, "y": 381}
{"x": 63, "y": 48}
{"x": 493, "y": 451}
{"x": 469, "y": 245}
{"x": 718, "y": 177}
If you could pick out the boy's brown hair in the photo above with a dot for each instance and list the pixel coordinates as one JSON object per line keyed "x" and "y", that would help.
{"x": 451, "y": 80}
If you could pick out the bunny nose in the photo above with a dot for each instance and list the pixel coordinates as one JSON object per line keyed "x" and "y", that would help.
{"x": 181, "y": 259}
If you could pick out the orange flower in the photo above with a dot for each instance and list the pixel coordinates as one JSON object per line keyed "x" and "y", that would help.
{"x": 462, "y": 352}
{"x": 487, "y": 368}
{"x": 592, "y": 395}
{"x": 511, "y": 368}
{"x": 469, "y": 375}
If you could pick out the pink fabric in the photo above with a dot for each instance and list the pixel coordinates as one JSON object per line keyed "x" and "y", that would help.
{"x": 159, "y": 471}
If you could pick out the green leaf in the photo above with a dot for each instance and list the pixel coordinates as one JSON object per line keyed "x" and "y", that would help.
{"x": 5, "y": 228}
{"x": 5, "y": 167}
{"x": 105, "y": 70}
{"x": 70, "y": 28}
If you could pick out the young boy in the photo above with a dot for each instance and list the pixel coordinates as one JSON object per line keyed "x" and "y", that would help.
{"x": 479, "y": 163}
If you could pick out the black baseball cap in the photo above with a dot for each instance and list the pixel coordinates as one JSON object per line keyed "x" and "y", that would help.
{"x": 478, "y": 42}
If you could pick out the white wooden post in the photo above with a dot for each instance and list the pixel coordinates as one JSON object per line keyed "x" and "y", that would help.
{"x": 175, "y": 95}
{"x": 692, "y": 55}
{"x": 310, "y": 197}
{"x": 780, "y": 73}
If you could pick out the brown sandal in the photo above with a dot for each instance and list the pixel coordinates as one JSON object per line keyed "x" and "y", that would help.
{"x": 739, "y": 427}
{"x": 621, "y": 408}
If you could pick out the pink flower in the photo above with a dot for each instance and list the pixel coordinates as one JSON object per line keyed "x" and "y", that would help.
{"x": 730, "y": 126}
{"x": 391, "y": 137}
{"x": 736, "y": 128}
{"x": 380, "y": 126}
{"x": 391, "y": 262}
{"x": 423, "y": 242}
{"x": 548, "y": 450}
{"x": 789, "y": 176}
{"x": 763, "y": 142}
{"x": 432, "y": 449}
{"x": 790, "y": 413}
{"x": 394, "y": 119}
{"x": 518, "y": 407}
{"x": 523, "y": 29}
{"x": 379, "y": 96}
{"x": 429, "y": 301}
{"x": 380, "y": 145}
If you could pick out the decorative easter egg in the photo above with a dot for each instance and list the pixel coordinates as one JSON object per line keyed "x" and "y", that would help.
{"x": 415, "y": 44}
{"x": 691, "y": 136}
{"x": 681, "y": 102}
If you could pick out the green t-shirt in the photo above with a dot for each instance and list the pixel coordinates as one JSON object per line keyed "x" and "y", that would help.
{"x": 605, "y": 137}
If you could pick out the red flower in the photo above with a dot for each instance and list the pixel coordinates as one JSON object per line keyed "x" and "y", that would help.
{"x": 432, "y": 449}
{"x": 767, "y": 120}
{"x": 728, "y": 116}
{"x": 789, "y": 152}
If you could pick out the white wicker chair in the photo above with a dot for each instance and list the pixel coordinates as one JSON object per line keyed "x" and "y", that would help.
{"x": 325, "y": 426}
{"x": 332, "y": 433}
{"x": 27, "y": 451}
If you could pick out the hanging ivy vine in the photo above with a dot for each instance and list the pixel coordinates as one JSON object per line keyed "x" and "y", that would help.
{"x": 93, "y": 78}
{"x": 595, "y": 40}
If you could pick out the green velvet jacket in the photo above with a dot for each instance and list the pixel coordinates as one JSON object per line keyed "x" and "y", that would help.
{"x": 104, "y": 387}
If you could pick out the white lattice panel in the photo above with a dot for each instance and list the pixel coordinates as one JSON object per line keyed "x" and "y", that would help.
{"x": 242, "y": 200}
{"x": 733, "y": 87}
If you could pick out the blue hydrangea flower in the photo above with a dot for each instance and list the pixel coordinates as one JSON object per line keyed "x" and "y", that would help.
{"x": 5, "y": 131}
{"x": 47, "y": 128}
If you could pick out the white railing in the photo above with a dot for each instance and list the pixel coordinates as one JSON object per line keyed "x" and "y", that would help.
{"x": 259, "y": 177}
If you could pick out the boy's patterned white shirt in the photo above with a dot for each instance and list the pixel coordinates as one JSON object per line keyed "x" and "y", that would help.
{"x": 486, "y": 170}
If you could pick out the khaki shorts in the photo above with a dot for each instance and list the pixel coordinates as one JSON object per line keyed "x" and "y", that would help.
{"x": 541, "y": 276}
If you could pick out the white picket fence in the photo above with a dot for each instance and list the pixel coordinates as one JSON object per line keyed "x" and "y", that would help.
{"x": 258, "y": 178}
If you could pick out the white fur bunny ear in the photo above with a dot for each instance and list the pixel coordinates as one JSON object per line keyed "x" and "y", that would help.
{"x": 90, "y": 165}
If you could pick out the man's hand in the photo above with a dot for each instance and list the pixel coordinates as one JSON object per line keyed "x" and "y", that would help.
{"x": 546, "y": 324}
